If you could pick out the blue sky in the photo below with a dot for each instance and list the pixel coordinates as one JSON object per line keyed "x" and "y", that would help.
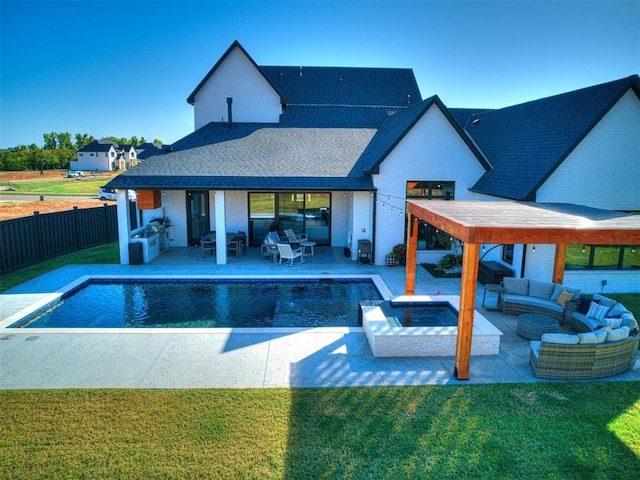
{"x": 125, "y": 68}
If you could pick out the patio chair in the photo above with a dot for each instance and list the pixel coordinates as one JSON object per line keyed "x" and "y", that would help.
{"x": 288, "y": 253}
{"x": 294, "y": 238}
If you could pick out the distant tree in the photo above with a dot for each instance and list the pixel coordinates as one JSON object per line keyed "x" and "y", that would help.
{"x": 64, "y": 140}
{"x": 50, "y": 140}
{"x": 158, "y": 143}
{"x": 82, "y": 140}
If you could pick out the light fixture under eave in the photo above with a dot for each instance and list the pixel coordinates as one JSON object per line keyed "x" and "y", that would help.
{"x": 533, "y": 249}
{"x": 584, "y": 249}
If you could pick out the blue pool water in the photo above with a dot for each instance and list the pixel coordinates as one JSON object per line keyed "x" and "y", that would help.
{"x": 432, "y": 314}
{"x": 209, "y": 304}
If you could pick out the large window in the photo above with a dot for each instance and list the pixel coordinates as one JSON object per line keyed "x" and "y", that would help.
{"x": 602, "y": 257}
{"x": 429, "y": 237}
{"x": 303, "y": 212}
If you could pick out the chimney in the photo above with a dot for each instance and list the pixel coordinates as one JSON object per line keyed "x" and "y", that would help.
{"x": 229, "y": 112}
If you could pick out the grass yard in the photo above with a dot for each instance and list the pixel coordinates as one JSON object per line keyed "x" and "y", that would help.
{"x": 62, "y": 186}
{"x": 102, "y": 254}
{"x": 525, "y": 431}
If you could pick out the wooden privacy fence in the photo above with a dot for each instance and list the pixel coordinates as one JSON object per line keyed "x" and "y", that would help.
{"x": 28, "y": 240}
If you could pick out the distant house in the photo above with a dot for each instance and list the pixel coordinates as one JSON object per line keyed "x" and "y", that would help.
{"x": 335, "y": 152}
{"x": 105, "y": 156}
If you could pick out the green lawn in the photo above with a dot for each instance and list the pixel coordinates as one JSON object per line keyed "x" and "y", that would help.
{"x": 525, "y": 431}
{"x": 102, "y": 254}
{"x": 63, "y": 186}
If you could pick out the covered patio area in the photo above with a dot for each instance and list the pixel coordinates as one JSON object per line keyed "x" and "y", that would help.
{"x": 476, "y": 223}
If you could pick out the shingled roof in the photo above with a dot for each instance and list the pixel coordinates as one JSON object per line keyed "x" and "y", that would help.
{"x": 526, "y": 143}
{"x": 257, "y": 156}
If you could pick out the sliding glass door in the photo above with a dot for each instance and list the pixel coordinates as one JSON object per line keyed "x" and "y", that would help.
{"x": 308, "y": 213}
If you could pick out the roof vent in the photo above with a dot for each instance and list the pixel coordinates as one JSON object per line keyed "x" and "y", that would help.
{"x": 300, "y": 72}
{"x": 475, "y": 121}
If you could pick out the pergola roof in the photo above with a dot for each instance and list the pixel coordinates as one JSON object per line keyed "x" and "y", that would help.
{"x": 477, "y": 222}
{"x": 543, "y": 223}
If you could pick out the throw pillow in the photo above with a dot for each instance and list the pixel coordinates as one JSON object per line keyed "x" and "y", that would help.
{"x": 560, "y": 338}
{"x": 540, "y": 289}
{"x": 598, "y": 336}
{"x": 557, "y": 290}
{"x": 611, "y": 322}
{"x": 564, "y": 298}
{"x": 597, "y": 312}
{"x": 516, "y": 286}
{"x": 618, "y": 334}
{"x": 585, "y": 303}
{"x": 617, "y": 310}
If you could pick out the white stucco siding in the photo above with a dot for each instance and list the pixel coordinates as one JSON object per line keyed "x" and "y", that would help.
{"x": 236, "y": 212}
{"x": 254, "y": 100}
{"x": 341, "y": 204}
{"x": 174, "y": 203}
{"x": 432, "y": 150}
{"x": 604, "y": 170}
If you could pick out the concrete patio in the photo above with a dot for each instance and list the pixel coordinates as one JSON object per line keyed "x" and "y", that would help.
{"x": 231, "y": 359}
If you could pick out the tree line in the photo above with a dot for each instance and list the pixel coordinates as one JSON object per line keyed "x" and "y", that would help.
{"x": 57, "y": 151}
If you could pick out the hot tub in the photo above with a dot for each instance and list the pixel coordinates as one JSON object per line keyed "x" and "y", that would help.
{"x": 388, "y": 337}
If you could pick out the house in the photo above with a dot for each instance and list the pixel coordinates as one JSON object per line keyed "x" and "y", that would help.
{"x": 105, "y": 156}
{"x": 335, "y": 152}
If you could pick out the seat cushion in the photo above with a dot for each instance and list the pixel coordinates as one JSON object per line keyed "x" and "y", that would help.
{"x": 517, "y": 286}
{"x": 560, "y": 338}
{"x": 617, "y": 334}
{"x": 608, "y": 302}
{"x": 535, "y": 348}
{"x": 540, "y": 289}
{"x": 598, "y": 336}
{"x": 532, "y": 302}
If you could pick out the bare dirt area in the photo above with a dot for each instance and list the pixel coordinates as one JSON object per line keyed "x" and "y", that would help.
{"x": 9, "y": 210}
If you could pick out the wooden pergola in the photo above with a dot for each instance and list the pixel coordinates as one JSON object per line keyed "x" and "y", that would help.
{"x": 477, "y": 223}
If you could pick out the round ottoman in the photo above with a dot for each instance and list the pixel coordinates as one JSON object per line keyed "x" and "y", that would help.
{"x": 533, "y": 325}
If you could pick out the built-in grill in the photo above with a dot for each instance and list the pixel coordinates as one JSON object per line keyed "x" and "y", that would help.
{"x": 154, "y": 238}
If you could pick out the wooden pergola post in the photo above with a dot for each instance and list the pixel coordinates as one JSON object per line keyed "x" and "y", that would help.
{"x": 558, "y": 263}
{"x": 467, "y": 308}
{"x": 412, "y": 247}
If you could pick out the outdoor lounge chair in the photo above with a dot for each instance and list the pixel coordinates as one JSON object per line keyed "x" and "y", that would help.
{"x": 288, "y": 253}
{"x": 294, "y": 238}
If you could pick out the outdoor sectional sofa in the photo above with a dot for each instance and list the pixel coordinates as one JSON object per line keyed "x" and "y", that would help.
{"x": 522, "y": 295}
{"x": 607, "y": 342}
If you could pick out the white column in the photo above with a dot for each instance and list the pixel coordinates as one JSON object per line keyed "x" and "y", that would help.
{"x": 124, "y": 225}
{"x": 221, "y": 229}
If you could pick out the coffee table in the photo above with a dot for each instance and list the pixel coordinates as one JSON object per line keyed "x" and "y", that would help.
{"x": 533, "y": 325}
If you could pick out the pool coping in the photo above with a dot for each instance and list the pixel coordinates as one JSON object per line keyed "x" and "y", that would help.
{"x": 47, "y": 300}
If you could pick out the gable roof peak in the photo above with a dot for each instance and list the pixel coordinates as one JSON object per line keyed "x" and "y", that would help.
{"x": 232, "y": 47}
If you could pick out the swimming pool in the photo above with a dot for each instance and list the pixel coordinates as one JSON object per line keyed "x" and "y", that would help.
{"x": 211, "y": 302}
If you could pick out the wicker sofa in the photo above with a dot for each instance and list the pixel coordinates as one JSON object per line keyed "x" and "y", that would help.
{"x": 606, "y": 343}
{"x": 582, "y": 361}
{"x": 522, "y": 295}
